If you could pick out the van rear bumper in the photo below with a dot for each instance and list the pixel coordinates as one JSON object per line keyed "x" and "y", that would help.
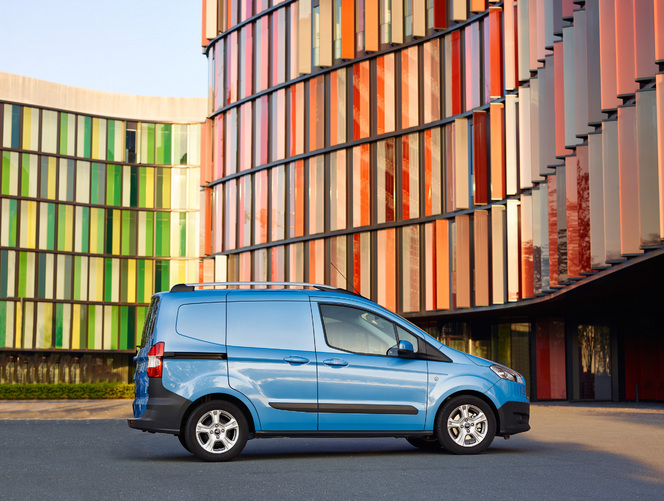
{"x": 514, "y": 418}
{"x": 163, "y": 413}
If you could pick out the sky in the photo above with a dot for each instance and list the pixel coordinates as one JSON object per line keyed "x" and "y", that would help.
{"x": 142, "y": 47}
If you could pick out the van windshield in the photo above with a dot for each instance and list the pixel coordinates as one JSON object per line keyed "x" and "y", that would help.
{"x": 150, "y": 320}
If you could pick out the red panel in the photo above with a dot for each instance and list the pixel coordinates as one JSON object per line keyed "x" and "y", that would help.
{"x": 204, "y": 40}
{"x": 568, "y": 9}
{"x": 550, "y": 357}
{"x": 644, "y": 39}
{"x": 583, "y": 204}
{"x": 480, "y": 157}
{"x": 347, "y": 29}
{"x": 543, "y": 354}
{"x": 456, "y": 73}
{"x": 440, "y": 14}
{"x": 496, "y": 55}
{"x": 357, "y": 262}
{"x": 553, "y": 231}
{"x": 659, "y": 31}
{"x": 405, "y": 178}
{"x": 380, "y": 97}
{"x": 572, "y": 214}
{"x": 625, "y": 67}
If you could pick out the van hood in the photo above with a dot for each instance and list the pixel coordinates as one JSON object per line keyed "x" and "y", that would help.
{"x": 479, "y": 361}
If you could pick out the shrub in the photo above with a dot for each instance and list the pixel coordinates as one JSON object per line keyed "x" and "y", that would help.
{"x": 63, "y": 391}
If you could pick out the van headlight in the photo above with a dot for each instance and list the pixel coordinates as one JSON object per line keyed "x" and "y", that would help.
{"x": 506, "y": 373}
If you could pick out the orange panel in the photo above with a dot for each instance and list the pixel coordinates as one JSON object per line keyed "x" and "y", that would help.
{"x": 204, "y": 40}
{"x": 527, "y": 268}
{"x": 644, "y": 39}
{"x": 333, "y": 115}
{"x": 371, "y": 22}
{"x": 496, "y": 51}
{"x": 477, "y": 5}
{"x": 607, "y": 46}
{"x": 497, "y": 130}
{"x": 463, "y": 261}
{"x": 625, "y": 67}
{"x": 347, "y": 29}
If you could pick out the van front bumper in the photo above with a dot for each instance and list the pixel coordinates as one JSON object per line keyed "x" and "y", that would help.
{"x": 514, "y": 418}
{"x": 163, "y": 413}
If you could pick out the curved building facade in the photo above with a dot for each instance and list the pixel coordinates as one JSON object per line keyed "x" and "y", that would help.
{"x": 99, "y": 209}
{"x": 493, "y": 171}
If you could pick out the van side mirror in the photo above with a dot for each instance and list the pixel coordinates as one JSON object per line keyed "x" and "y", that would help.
{"x": 406, "y": 348}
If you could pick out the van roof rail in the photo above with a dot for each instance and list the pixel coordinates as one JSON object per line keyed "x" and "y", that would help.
{"x": 192, "y": 286}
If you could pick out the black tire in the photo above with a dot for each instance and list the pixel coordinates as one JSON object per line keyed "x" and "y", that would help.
{"x": 466, "y": 425}
{"x": 216, "y": 431}
{"x": 426, "y": 444}
{"x": 183, "y": 441}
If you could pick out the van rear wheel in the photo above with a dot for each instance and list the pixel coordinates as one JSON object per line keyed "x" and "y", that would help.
{"x": 216, "y": 431}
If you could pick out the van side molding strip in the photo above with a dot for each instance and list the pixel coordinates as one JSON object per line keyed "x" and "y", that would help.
{"x": 345, "y": 408}
{"x": 195, "y": 356}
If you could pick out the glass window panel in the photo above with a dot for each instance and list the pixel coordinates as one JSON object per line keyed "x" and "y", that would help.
{"x": 10, "y": 173}
{"x": 245, "y": 131}
{"x": 232, "y": 68}
{"x": 386, "y": 263}
{"x": 338, "y": 272}
{"x": 316, "y": 210}
{"x": 29, "y": 175}
{"x": 431, "y": 80}
{"x": 361, "y": 186}
{"x": 84, "y": 137}
{"x": 410, "y": 176}
{"x": 361, "y": 101}
{"x": 338, "y": 113}
{"x": 147, "y": 139}
{"x": 30, "y": 128}
{"x": 11, "y": 130}
{"x": 180, "y": 144}
{"x": 262, "y": 54}
{"x": 278, "y": 125}
{"x": 361, "y": 252}
{"x": 433, "y": 172}
{"x": 231, "y": 141}
{"x": 49, "y": 139}
{"x": 385, "y": 181}
{"x": 98, "y": 184}
{"x": 278, "y": 202}
{"x": 278, "y": 19}
{"x": 296, "y": 193}
{"x": 246, "y": 63}
{"x": 338, "y": 190}
{"x": 230, "y": 214}
{"x": 297, "y": 128}
{"x": 8, "y": 222}
{"x": 245, "y": 212}
{"x": 410, "y": 89}
{"x": 261, "y": 141}
{"x": 28, "y": 224}
{"x": 261, "y": 210}
{"x": 316, "y": 113}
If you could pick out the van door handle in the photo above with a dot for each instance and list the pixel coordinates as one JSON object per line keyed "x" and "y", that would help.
{"x": 335, "y": 362}
{"x": 293, "y": 359}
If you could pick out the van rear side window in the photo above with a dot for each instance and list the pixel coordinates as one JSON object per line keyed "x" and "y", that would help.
{"x": 203, "y": 321}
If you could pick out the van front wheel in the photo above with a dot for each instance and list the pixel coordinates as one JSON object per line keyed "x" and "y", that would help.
{"x": 216, "y": 431}
{"x": 466, "y": 425}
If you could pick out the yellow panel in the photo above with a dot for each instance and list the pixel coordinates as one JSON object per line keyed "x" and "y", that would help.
{"x": 304, "y": 37}
{"x": 95, "y": 138}
{"x": 211, "y": 19}
{"x": 19, "y": 326}
{"x": 419, "y": 18}
{"x": 459, "y": 11}
{"x": 117, "y": 230}
{"x": 498, "y": 253}
{"x": 397, "y": 21}
{"x": 52, "y": 169}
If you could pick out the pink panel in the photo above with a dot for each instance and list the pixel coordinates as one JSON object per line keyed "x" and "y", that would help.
{"x": 644, "y": 39}
{"x": 607, "y": 46}
{"x": 625, "y": 67}
{"x": 630, "y": 239}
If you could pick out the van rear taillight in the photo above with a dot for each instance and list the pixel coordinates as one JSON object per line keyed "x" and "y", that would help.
{"x": 155, "y": 360}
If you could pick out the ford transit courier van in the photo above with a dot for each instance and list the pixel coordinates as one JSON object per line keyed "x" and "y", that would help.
{"x": 217, "y": 367}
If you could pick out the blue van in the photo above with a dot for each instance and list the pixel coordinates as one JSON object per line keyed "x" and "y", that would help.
{"x": 217, "y": 367}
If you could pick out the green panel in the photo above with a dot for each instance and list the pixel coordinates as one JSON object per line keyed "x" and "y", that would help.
{"x": 13, "y": 222}
{"x": 71, "y": 180}
{"x": 109, "y": 231}
{"x": 98, "y": 183}
{"x": 164, "y": 144}
{"x": 87, "y": 125}
{"x": 163, "y": 234}
{"x": 3, "y": 324}
{"x": 16, "y": 126}
{"x": 22, "y": 274}
{"x": 25, "y": 175}
{"x": 140, "y": 279}
{"x": 50, "y": 232}
{"x": 41, "y": 273}
{"x": 62, "y": 225}
{"x": 92, "y": 316}
{"x": 161, "y": 276}
{"x": 125, "y": 232}
{"x": 149, "y": 233}
{"x": 108, "y": 280}
{"x": 6, "y": 167}
{"x": 142, "y": 180}
{"x": 83, "y": 334}
{"x": 148, "y": 157}
{"x": 114, "y": 327}
{"x": 5, "y": 275}
{"x": 130, "y": 330}
{"x": 133, "y": 188}
{"x": 85, "y": 229}
{"x": 114, "y": 185}
{"x": 64, "y": 132}
{"x": 183, "y": 234}
{"x": 59, "y": 320}
{"x": 110, "y": 142}
{"x": 43, "y": 187}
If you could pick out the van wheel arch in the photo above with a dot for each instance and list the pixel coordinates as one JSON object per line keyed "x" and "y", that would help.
{"x": 473, "y": 394}
{"x": 223, "y": 397}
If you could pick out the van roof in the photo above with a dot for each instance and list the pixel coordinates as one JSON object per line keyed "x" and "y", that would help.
{"x": 261, "y": 286}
